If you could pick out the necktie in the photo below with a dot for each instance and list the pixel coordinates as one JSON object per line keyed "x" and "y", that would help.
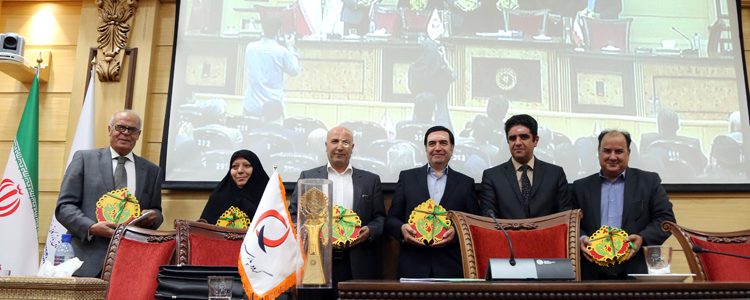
{"x": 525, "y": 185}
{"x": 121, "y": 176}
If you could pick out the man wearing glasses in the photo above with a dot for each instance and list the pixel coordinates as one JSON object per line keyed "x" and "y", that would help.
{"x": 360, "y": 191}
{"x": 94, "y": 173}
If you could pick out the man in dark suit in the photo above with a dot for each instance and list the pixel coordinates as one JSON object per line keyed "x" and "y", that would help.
{"x": 447, "y": 187}
{"x": 509, "y": 194}
{"x": 90, "y": 175}
{"x": 623, "y": 197}
{"x": 360, "y": 191}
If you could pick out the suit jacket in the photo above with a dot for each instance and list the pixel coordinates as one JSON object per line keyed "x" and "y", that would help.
{"x": 88, "y": 177}
{"x": 646, "y": 205}
{"x": 368, "y": 204}
{"x": 352, "y": 13}
{"x": 411, "y": 190}
{"x": 501, "y": 193}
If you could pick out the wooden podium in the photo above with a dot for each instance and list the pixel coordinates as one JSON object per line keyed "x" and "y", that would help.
{"x": 73, "y": 288}
{"x": 543, "y": 290}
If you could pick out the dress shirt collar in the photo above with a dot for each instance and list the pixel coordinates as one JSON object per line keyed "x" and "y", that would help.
{"x": 115, "y": 155}
{"x": 517, "y": 165}
{"x": 347, "y": 171}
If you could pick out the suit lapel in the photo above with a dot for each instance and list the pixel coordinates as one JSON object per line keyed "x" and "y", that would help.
{"x": 140, "y": 181}
{"x": 630, "y": 203}
{"x": 538, "y": 178}
{"x": 105, "y": 161}
{"x": 595, "y": 194}
{"x": 357, "y": 189}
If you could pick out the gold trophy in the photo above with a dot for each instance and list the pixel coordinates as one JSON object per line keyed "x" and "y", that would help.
{"x": 314, "y": 206}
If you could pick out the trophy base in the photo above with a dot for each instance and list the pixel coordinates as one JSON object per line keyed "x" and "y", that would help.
{"x": 314, "y": 272}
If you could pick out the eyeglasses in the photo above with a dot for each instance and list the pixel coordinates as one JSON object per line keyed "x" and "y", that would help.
{"x": 127, "y": 129}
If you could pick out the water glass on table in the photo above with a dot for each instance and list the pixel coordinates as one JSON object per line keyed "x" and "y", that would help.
{"x": 658, "y": 259}
{"x": 220, "y": 287}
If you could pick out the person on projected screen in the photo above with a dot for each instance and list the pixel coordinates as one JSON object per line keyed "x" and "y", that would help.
{"x": 623, "y": 197}
{"x": 360, "y": 191}
{"x": 431, "y": 75}
{"x": 235, "y": 199}
{"x": 356, "y": 16}
{"x": 91, "y": 175}
{"x": 266, "y": 62}
{"x": 447, "y": 187}
{"x": 524, "y": 186}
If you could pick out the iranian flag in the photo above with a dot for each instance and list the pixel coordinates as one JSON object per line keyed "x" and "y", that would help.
{"x": 19, "y": 210}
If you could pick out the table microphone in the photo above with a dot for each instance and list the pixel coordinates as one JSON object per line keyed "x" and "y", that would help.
{"x": 699, "y": 249}
{"x": 692, "y": 50}
{"x": 512, "y": 259}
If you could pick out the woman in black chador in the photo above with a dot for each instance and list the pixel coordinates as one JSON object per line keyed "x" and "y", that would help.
{"x": 235, "y": 199}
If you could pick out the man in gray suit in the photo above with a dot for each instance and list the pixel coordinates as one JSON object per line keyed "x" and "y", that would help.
{"x": 523, "y": 187}
{"x": 360, "y": 191}
{"x": 623, "y": 197}
{"x": 91, "y": 174}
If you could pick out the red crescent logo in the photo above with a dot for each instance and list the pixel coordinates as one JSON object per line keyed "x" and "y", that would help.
{"x": 9, "y": 197}
{"x": 266, "y": 241}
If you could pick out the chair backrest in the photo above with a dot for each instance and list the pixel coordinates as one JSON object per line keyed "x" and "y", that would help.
{"x": 133, "y": 259}
{"x": 303, "y": 125}
{"x": 205, "y": 244}
{"x": 413, "y": 21}
{"x": 530, "y": 22}
{"x": 387, "y": 18}
{"x": 552, "y": 236}
{"x": 607, "y": 34}
{"x": 710, "y": 266}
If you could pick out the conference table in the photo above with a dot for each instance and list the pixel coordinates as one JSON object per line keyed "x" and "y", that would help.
{"x": 542, "y": 290}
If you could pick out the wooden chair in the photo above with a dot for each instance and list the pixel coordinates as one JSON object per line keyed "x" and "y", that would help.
{"x": 530, "y": 22}
{"x": 552, "y": 236}
{"x": 607, "y": 34}
{"x": 133, "y": 259}
{"x": 205, "y": 244}
{"x": 710, "y": 266}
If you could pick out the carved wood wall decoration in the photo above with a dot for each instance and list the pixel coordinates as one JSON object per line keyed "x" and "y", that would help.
{"x": 116, "y": 20}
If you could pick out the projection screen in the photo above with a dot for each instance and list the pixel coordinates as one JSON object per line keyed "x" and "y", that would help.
{"x": 670, "y": 72}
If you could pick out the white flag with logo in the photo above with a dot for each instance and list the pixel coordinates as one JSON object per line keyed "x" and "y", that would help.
{"x": 83, "y": 140}
{"x": 270, "y": 254}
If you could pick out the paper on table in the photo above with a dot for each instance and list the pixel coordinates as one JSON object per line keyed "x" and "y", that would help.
{"x": 403, "y": 279}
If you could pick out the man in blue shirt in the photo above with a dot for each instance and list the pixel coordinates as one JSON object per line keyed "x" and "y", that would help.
{"x": 266, "y": 61}
{"x": 627, "y": 198}
{"x": 447, "y": 187}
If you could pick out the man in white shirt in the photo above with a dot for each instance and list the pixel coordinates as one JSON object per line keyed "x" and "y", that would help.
{"x": 93, "y": 173}
{"x": 360, "y": 191}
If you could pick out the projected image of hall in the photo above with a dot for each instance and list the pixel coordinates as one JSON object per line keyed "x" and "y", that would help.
{"x": 274, "y": 76}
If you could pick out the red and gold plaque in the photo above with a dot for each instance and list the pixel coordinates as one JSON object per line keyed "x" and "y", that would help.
{"x": 346, "y": 226}
{"x": 609, "y": 246}
{"x": 430, "y": 221}
{"x": 118, "y": 206}
{"x": 233, "y": 217}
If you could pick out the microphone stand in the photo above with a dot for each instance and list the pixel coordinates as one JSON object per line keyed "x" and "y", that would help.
{"x": 512, "y": 259}
{"x": 699, "y": 249}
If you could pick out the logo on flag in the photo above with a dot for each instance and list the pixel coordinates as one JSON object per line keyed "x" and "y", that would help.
{"x": 9, "y": 200}
{"x": 269, "y": 259}
{"x": 263, "y": 241}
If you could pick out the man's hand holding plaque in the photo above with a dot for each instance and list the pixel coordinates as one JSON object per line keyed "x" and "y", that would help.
{"x": 347, "y": 228}
{"x": 609, "y": 246}
{"x": 118, "y": 206}
{"x": 428, "y": 225}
